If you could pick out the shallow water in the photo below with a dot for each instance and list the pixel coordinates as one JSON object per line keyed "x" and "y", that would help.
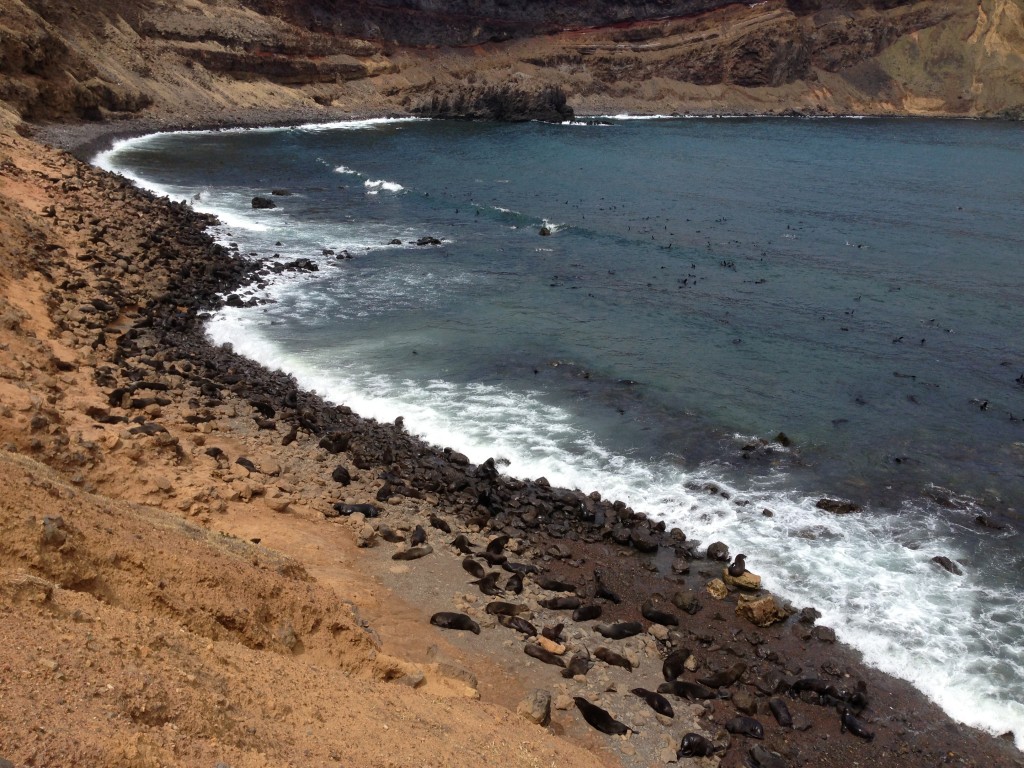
{"x": 852, "y": 283}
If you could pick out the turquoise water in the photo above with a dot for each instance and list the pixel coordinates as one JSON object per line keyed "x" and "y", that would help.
{"x": 855, "y": 284}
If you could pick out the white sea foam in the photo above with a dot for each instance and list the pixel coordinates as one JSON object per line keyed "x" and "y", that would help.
{"x": 345, "y": 169}
{"x": 377, "y": 185}
{"x": 870, "y": 575}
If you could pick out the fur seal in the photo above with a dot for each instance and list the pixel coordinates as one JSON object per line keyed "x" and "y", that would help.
{"x": 814, "y": 684}
{"x": 418, "y": 536}
{"x": 413, "y": 553}
{"x": 473, "y": 568}
{"x": 462, "y": 544}
{"x": 619, "y": 631}
{"x": 651, "y": 611}
{"x": 521, "y": 568}
{"x": 441, "y": 525}
{"x": 518, "y": 624}
{"x": 847, "y": 722}
{"x": 600, "y": 718}
{"x": 492, "y": 558}
{"x": 724, "y": 678}
{"x": 745, "y": 726}
{"x": 498, "y": 608}
{"x": 683, "y": 689}
{"x": 609, "y": 656}
{"x": 450, "y": 620}
{"x": 489, "y": 584}
{"x": 514, "y": 583}
{"x": 781, "y": 712}
{"x": 587, "y": 612}
{"x": 601, "y": 591}
{"x": 579, "y": 664}
{"x": 366, "y": 510}
{"x": 554, "y": 634}
{"x": 541, "y": 655}
{"x": 554, "y": 585}
{"x": 655, "y": 701}
{"x": 738, "y": 566}
{"x": 675, "y": 664}
{"x": 389, "y": 535}
{"x": 695, "y": 745}
{"x": 497, "y": 545}
{"x": 560, "y": 603}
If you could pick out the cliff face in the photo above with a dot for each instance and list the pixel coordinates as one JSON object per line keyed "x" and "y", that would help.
{"x": 190, "y": 58}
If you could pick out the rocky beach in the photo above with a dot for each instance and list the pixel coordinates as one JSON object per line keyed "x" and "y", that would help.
{"x": 202, "y": 564}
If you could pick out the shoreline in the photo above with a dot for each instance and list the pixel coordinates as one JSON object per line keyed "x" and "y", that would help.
{"x": 574, "y": 517}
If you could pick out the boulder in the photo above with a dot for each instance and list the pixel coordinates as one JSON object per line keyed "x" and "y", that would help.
{"x": 762, "y": 611}
{"x": 536, "y": 707}
{"x": 837, "y": 507}
{"x": 747, "y": 580}
{"x": 717, "y": 589}
{"x": 263, "y": 202}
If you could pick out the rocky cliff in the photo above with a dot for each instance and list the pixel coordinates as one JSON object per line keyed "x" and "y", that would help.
{"x": 189, "y": 59}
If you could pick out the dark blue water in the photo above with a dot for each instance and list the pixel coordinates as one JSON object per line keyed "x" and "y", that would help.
{"x": 707, "y": 284}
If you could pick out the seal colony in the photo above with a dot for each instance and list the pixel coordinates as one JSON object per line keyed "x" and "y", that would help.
{"x": 426, "y": 518}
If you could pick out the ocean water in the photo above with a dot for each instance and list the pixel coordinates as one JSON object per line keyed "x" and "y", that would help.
{"x": 705, "y": 284}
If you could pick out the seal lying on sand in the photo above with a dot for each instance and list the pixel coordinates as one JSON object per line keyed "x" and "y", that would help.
{"x": 450, "y": 620}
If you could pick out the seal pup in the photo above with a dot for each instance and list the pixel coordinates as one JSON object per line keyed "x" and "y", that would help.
{"x": 497, "y": 545}
{"x": 473, "y": 568}
{"x": 560, "y": 603}
{"x": 413, "y": 553}
{"x": 619, "y": 631}
{"x": 418, "y": 536}
{"x": 366, "y": 510}
{"x": 587, "y": 612}
{"x": 554, "y": 585}
{"x": 724, "y": 678}
{"x": 461, "y": 543}
{"x": 695, "y": 745}
{"x": 514, "y": 583}
{"x": 781, "y": 712}
{"x": 683, "y": 689}
{"x": 738, "y": 566}
{"x": 499, "y": 608}
{"x": 542, "y": 655}
{"x": 609, "y": 656}
{"x": 579, "y": 664}
{"x": 847, "y": 722}
{"x": 554, "y": 634}
{"x": 441, "y": 525}
{"x": 518, "y": 623}
{"x": 520, "y": 568}
{"x": 489, "y": 584}
{"x": 745, "y": 726}
{"x": 600, "y": 718}
{"x": 675, "y": 664}
{"x": 492, "y": 558}
{"x": 389, "y": 535}
{"x": 601, "y": 591}
{"x": 451, "y": 620}
{"x": 655, "y": 701}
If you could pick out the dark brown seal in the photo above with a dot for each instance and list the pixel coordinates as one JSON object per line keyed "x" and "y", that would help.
{"x": 655, "y": 701}
{"x": 609, "y": 656}
{"x": 450, "y": 620}
{"x": 619, "y": 631}
{"x": 745, "y": 726}
{"x": 542, "y": 655}
{"x": 600, "y": 718}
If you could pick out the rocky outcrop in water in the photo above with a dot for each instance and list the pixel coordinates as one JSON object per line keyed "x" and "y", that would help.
{"x": 509, "y": 102}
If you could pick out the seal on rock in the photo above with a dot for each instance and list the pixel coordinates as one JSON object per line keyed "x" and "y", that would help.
{"x": 847, "y": 722}
{"x": 684, "y": 689}
{"x": 609, "y": 656}
{"x": 724, "y": 678}
{"x": 517, "y": 623}
{"x": 413, "y": 553}
{"x": 560, "y": 603}
{"x": 738, "y": 566}
{"x": 473, "y": 568}
{"x": 542, "y": 655}
{"x": 675, "y": 664}
{"x": 587, "y": 612}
